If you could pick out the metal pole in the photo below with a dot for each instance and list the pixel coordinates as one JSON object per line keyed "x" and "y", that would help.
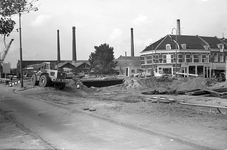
{"x": 176, "y": 54}
{"x": 176, "y": 50}
{"x": 58, "y": 48}
{"x": 225, "y": 70}
{"x": 21, "y": 67}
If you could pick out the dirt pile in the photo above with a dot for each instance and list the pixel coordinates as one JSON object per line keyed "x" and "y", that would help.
{"x": 177, "y": 84}
{"x": 152, "y": 83}
{"x": 187, "y": 84}
{"x": 133, "y": 83}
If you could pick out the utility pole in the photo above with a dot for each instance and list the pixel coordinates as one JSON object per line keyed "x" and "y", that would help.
{"x": 21, "y": 67}
{"x": 177, "y": 47}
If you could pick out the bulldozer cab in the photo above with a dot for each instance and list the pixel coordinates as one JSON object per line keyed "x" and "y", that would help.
{"x": 46, "y": 65}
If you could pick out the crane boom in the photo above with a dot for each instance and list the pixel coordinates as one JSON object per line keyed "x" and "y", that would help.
{"x": 5, "y": 51}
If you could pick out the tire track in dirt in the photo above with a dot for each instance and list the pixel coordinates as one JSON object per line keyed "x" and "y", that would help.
{"x": 27, "y": 131}
{"x": 139, "y": 129}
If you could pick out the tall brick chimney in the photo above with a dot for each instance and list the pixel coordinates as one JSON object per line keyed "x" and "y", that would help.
{"x": 74, "y": 44}
{"x": 132, "y": 43}
{"x": 178, "y": 27}
{"x": 58, "y": 48}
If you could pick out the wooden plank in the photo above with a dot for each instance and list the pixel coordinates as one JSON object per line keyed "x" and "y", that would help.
{"x": 221, "y": 89}
{"x": 216, "y": 94}
{"x": 201, "y": 105}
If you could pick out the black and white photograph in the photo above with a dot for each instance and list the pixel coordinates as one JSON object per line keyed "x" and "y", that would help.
{"x": 113, "y": 74}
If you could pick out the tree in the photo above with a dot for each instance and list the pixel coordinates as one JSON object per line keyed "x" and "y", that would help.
{"x": 6, "y": 26}
{"x": 12, "y": 7}
{"x": 9, "y": 8}
{"x": 102, "y": 60}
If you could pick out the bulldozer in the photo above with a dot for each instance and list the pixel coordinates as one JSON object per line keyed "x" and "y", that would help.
{"x": 46, "y": 76}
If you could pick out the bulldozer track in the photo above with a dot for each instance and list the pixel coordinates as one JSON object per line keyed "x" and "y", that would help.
{"x": 139, "y": 129}
{"x": 27, "y": 131}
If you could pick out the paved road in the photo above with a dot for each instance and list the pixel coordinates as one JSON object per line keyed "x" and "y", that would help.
{"x": 61, "y": 129}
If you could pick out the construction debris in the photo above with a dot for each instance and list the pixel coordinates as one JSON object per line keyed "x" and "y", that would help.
{"x": 186, "y": 86}
{"x": 163, "y": 100}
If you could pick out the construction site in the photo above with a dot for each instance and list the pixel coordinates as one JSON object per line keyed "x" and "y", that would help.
{"x": 148, "y": 109}
{"x": 137, "y": 112}
{"x": 184, "y": 111}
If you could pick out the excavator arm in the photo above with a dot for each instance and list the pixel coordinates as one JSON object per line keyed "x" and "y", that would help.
{"x": 5, "y": 51}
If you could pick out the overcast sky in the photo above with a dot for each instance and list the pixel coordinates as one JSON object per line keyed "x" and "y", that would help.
{"x": 109, "y": 21}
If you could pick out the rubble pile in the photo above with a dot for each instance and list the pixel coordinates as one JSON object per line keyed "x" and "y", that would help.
{"x": 187, "y": 84}
{"x": 133, "y": 83}
{"x": 177, "y": 84}
{"x": 152, "y": 85}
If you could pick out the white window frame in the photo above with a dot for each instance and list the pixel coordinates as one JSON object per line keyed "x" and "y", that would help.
{"x": 168, "y": 47}
{"x": 204, "y": 58}
{"x": 195, "y": 58}
{"x": 178, "y": 58}
{"x": 164, "y": 58}
{"x": 188, "y": 59}
{"x": 216, "y": 57}
{"x": 221, "y": 58}
{"x": 221, "y": 47}
{"x": 184, "y": 46}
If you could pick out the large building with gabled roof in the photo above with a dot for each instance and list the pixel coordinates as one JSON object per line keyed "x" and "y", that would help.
{"x": 187, "y": 54}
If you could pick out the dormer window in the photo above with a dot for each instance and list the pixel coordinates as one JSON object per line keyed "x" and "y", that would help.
{"x": 184, "y": 46}
{"x": 221, "y": 47}
{"x": 206, "y": 47}
{"x": 168, "y": 47}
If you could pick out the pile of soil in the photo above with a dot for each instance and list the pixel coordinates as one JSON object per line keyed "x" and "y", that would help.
{"x": 134, "y": 83}
{"x": 187, "y": 84}
{"x": 152, "y": 83}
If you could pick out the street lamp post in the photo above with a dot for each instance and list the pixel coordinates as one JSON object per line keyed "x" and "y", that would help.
{"x": 177, "y": 47}
{"x": 20, "y": 37}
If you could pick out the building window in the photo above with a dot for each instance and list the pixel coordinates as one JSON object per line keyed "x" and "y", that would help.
{"x": 164, "y": 58}
{"x": 142, "y": 59}
{"x": 221, "y": 47}
{"x": 160, "y": 58}
{"x": 215, "y": 57}
{"x": 173, "y": 59}
{"x": 168, "y": 58}
{"x": 180, "y": 58}
{"x": 188, "y": 58}
{"x": 183, "y": 46}
{"x": 149, "y": 62}
{"x": 156, "y": 57}
{"x": 149, "y": 59}
{"x": 204, "y": 58}
{"x": 206, "y": 47}
{"x": 149, "y": 56}
{"x": 221, "y": 58}
{"x": 225, "y": 57}
{"x": 168, "y": 47}
{"x": 196, "y": 58}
